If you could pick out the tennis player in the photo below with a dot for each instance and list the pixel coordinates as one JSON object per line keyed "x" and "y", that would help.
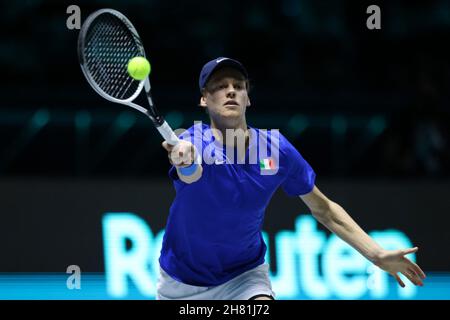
{"x": 213, "y": 247}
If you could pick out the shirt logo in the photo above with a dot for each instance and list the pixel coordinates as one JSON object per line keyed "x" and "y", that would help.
{"x": 220, "y": 60}
{"x": 219, "y": 161}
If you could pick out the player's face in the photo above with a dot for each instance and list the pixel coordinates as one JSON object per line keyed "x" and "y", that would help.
{"x": 226, "y": 95}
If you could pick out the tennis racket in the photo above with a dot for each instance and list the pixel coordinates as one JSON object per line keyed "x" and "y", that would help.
{"x": 106, "y": 43}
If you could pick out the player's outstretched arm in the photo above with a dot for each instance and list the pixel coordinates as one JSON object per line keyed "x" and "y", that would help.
{"x": 182, "y": 157}
{"x": 338, "y": 221}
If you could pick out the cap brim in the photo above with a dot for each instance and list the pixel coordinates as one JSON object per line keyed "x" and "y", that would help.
{"x": 228, "y": 63}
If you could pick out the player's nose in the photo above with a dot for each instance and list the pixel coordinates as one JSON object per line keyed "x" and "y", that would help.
{"x": 231, "y": 93}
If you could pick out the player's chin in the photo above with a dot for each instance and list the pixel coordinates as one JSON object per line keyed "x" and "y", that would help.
{"x": 231, "y": 112}
{"x": 232, "y": 116}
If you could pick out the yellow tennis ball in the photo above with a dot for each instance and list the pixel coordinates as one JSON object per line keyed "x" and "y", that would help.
{"x": 139, "y": 68}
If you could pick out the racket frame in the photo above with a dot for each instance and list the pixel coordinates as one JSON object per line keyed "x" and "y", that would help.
{"x": 161, "y": 125}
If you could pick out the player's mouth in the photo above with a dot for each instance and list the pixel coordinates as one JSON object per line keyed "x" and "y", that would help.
{"x": 231, "y": 103}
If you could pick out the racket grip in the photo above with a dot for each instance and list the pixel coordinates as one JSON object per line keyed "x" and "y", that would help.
{"x": 167, "y": 133}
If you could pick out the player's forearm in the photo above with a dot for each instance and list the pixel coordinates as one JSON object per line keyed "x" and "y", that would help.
{"x": 192, "y": 177}
{"x": 338, "y": 221}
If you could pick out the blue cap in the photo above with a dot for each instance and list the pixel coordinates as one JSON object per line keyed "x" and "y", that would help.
{"x": 211, "y": 66}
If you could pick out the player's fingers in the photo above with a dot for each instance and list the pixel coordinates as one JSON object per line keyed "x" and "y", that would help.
{"x": 170, "y": 159}
{"x": 167, "y": 146}
{"x": 409, "y": 277}
{"x": 181, "y": 154}
{"x": 183, "y": 160}
{"x": 400, "y": 282}
{"x": 411, "y": 250}
{"x": 186, "y": 154}
{"x": 418, "y": 270}
{"x": 174, "y": 157}
{"x": 184, "y": 164}
{"x": 176, "y": 161}
{"x": 175, "y": 153}
{"x": 417, "y": 278}
{"x": 181, "y": 149}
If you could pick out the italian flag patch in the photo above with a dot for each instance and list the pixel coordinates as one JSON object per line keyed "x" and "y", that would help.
{"x": 266, "y": 164}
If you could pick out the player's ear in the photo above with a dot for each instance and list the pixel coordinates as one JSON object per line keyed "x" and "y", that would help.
{"x": 203, "y": 102}
{"x": 248, "y": 102}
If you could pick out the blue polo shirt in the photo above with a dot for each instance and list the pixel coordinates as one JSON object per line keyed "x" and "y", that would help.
{"x": 213, "y": 232}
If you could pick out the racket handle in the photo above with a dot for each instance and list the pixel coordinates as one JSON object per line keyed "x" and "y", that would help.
{"x": 166, "y": 131}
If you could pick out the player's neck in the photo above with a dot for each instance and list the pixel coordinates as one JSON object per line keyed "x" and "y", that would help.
{"x": 236, "y": 130}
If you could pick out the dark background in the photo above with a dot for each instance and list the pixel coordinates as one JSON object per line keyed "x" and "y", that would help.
{"x": 50, "y": 224}
{"x": 368, "y": 109}
{"x": 356, "y": 102}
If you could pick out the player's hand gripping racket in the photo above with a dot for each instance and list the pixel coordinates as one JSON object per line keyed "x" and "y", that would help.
{"x": 106, "y": 43}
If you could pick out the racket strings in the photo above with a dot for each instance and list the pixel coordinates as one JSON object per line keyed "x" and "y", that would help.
{"x": 109, "y": 47}
{"x": 112, "y": 84}
{"x": 102, "y": 55}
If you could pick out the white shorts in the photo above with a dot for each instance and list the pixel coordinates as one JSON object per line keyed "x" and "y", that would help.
{"x": 243, "y": 287}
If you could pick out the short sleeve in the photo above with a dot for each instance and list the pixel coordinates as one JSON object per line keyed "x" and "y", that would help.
{"x": 300, "y": 177}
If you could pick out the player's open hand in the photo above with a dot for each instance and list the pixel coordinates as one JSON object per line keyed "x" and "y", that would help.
{"x": 394, "y": 261}
{"x": 181, "y": 155}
